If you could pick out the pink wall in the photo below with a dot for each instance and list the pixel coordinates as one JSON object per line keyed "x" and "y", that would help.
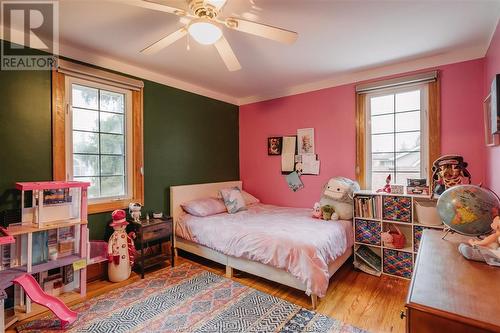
{"x": 332, "y": 114}
{"x": 492, "y": 67}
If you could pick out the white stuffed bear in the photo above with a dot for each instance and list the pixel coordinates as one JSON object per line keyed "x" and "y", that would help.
{"x": 338, "y": 192}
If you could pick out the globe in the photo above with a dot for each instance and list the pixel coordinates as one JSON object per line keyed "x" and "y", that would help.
{"x": 468, "y": 209}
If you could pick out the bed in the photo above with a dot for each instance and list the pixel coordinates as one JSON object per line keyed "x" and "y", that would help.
{"x": 268, "y": 241}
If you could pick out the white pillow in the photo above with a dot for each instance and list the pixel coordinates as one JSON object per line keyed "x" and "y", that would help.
{"x": 249, "y": 199}
{"x": 233, "y": 199}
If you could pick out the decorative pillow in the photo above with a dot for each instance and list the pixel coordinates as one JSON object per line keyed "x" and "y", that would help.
{"x": 204, "y": 207}
{"x": 233, "y": 199}
{"x": 249, "y": 199}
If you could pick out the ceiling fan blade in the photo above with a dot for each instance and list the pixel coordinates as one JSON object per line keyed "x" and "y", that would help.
{"x": 262, "y": 30}
{"x": 227, "y": 54}
{"x": 155, "y": 5}
{"x": 165, "y": 41}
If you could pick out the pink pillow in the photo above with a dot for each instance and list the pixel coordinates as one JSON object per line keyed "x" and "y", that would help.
{"x": 249, "y": 199}
{"x": 204, "y": 207}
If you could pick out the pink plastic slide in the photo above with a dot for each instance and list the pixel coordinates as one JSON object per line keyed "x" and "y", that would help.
{"x": 54, "y": 304}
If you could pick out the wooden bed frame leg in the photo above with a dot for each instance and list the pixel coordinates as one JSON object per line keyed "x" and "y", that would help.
{"x": 229, "y": 272}
{"x": 314, "y": 301}
{"x": 176, "y": 254}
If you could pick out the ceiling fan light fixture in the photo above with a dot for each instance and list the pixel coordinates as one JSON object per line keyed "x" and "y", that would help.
{"x": 205, "y": 31}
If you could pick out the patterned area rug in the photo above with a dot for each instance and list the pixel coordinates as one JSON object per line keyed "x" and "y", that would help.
{"x": 189, "y": 299}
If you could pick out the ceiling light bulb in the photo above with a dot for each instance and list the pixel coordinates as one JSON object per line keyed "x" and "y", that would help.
{"x": 205, "y": 32}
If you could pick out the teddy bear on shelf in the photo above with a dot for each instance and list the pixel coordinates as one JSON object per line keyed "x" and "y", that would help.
{"x": 121, "y": 249}
{"x": 492, "y": 242}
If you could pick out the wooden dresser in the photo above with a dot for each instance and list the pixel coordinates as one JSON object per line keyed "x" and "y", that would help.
{"x": 449, "y": 293}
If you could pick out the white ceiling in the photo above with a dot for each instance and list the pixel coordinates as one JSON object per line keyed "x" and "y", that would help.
{"x": 337, "y": 39}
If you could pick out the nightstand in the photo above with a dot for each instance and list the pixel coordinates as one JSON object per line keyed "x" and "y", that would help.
{"x": 151, "y": 234}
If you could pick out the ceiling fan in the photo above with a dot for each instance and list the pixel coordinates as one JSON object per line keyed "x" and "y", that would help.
{"x": 205, "y": 25}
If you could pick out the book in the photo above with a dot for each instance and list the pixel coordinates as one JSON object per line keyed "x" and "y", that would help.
{"x": 369, "y": 257}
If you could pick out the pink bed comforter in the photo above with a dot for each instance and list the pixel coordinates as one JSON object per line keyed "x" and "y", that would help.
{"x": 286, "y": 238}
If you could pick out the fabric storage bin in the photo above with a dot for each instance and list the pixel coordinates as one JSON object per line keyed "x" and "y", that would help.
{"x": 427, "y": 213}
{"x": 398, "y": 263}
{"x": 367, "y": 232}
{"x": 417, "y": 236}
{"x": 397, "y": 208}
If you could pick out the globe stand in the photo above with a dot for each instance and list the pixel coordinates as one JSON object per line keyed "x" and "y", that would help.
{"x": 447, "y": 230}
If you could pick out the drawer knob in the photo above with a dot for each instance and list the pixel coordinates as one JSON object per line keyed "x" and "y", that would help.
{"x": 402, "y": 314}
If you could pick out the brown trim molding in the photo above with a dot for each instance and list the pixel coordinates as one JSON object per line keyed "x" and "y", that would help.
{"x": 434, "y": 116}
{"x": 361, "y": 139}
{"x": 58, "y": 126}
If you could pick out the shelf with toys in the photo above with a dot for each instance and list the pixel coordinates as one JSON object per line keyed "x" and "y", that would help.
{"x": 50, "y": 244}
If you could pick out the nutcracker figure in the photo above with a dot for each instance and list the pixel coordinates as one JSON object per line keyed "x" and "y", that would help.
{"x": 121, "y": 249}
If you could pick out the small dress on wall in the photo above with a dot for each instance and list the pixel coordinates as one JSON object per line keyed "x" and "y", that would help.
{"x": 121, "y": 249}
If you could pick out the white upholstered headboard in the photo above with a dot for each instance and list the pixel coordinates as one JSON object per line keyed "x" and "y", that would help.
{"x": 184, "y": 193}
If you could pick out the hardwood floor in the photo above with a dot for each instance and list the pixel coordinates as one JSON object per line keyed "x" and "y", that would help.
{"x": 353, "y": 297}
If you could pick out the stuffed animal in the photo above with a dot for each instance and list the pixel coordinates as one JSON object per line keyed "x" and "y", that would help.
{"x": 338, "y": 192}
{"x": 387, "y": 187}
{"x": 327, "y": 211}
{"x": 317, "y": 211}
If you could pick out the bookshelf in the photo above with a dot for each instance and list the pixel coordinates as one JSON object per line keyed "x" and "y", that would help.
{"x": 375, "y": 213}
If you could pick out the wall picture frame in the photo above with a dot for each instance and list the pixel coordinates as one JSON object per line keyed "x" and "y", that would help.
{"x": 490, "y": 138}
{"x": 305, "y": 141}
{"x": 274, "y": 145}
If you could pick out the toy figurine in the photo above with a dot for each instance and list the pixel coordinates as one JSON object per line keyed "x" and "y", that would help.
{"x": 317, "y": 211}
{"x": 387, "y": 186}
{"x": 492, "y": 242}
{"x": 448, "y": 171}
{"x": 134, "y": 209}
{"x": 121, "y": 250}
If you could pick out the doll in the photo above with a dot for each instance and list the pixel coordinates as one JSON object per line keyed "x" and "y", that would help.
{"x": 387, "y": 186}
{"x": 121, "y": 250}
{"x": 492, "y": 242}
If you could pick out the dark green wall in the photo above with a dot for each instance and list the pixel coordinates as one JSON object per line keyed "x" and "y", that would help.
{"x": 188, "y": 139}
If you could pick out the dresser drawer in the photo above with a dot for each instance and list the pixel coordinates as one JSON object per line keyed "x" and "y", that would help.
{"x": 159, "y": 230}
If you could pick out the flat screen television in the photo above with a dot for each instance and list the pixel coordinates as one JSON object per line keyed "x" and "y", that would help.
{"x": 495, "y": 107}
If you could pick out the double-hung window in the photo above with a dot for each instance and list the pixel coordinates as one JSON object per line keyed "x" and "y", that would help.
{"x": 100, "y": 141}
{"x": 97, "y": 127}
{"x": 397, "y": 125}
{"x": 396, "y": 135}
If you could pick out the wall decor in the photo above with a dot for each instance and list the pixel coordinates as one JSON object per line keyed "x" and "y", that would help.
{"x": 294, "y": 182}
{"x": 288, "y": 154}
{"x": 490, "y": 138}
{"x": 494, "y": 105}
{"x": 305, "y": 138}
{"x": 274, "y": 145}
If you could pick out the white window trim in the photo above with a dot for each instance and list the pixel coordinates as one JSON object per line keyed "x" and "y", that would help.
{"x": 424, "y": 127}
{"x": 128, "y": 135}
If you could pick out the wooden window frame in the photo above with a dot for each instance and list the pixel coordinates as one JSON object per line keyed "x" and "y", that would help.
{"x": 59, "y": 113}
{"x": 434, "y": 131}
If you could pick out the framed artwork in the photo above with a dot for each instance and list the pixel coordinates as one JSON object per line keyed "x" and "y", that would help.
{"x": 491, "y": 139}
{"x": 305, "y": 141}
{"x": 274, "y": 145}
{"x": 495, "y": 105}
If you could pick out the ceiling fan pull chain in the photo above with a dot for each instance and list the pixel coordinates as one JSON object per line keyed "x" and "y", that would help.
{"x": 188, "y": 47}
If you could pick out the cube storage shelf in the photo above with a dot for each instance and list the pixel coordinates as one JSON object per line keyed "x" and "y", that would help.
{"x": 378, "y": 212}
{"x": 50, "y": 243}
